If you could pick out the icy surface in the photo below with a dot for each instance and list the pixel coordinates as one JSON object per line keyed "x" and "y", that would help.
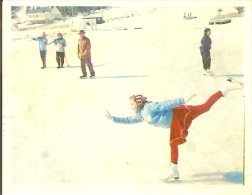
{"x": 55, "y": 124}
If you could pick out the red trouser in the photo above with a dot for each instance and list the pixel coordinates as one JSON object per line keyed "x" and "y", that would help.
{"x": 195, "y": 111}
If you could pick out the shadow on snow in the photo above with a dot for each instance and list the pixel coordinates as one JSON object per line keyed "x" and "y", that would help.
{"x": 231, "y": 177}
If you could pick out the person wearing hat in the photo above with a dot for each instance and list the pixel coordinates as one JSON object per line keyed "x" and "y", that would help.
{"x": 84, "y": 54}
{"x": 60, "y": 50}
{"x": 205, "y": 51}
{"x": 42, "y": 47}
{"x": 173, "y": 114}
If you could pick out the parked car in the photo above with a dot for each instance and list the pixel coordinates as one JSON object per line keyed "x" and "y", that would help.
{"x": 220, "y": 21}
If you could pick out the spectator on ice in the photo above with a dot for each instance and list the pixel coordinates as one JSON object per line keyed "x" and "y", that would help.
{"x": 60, "y": 51}
{"x": 205, "y": 47}
{"x": 84, "y": 54}
{"x": 42, "y": 47}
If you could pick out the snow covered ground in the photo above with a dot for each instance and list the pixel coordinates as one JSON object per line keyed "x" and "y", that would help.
{"x": 57, "y": 138}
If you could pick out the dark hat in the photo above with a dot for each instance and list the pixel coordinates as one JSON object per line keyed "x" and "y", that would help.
{"x": 81, "y": 31}
{"x": 206, "y": 30}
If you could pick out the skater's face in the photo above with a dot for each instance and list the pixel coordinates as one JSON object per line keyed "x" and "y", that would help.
{"x": 133, "y": 105}
{"x": 209, "y": 33}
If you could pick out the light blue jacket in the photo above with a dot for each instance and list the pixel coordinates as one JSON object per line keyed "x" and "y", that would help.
{"x": 59, "y": 43}
{"x": 154, "y": 113}
{"x": 42, "y": 45}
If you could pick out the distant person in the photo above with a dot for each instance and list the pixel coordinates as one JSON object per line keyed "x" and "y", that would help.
{"x": 60, "y": 51}
{"x": 205, "y": 47}
{"x": 42, "y": 47}
{"x": 84, "y": 54}
{"x": 175, "y": 114}
{"x": 190, "y": 14}
{"x": 184, "y": 15}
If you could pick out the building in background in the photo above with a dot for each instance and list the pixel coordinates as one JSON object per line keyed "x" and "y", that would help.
{"x": 43, "y": 14}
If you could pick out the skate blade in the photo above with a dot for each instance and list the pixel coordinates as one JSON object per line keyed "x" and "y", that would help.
{"x": 174, "y": 179}
{"x": 234, "y": 81}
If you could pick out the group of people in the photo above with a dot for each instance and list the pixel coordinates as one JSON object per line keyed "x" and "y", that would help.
{"x": 174, "y": 114}
{"x": 190, "y": 14}
{"x": 83, "y": 52}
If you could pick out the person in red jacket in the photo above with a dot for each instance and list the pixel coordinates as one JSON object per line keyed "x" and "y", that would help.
{"x": 84, "y": 54}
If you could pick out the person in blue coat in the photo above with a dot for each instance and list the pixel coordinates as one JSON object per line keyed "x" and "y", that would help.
{"x": 173, "y": 114}
{"x": 42, "y": 47}
{"x": 205, "y": 47}
{"x": 60, "y": 43}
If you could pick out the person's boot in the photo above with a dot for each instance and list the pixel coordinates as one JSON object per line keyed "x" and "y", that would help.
{"x": 58, "y": 66}
{"x": 210, "y": 72}
{"x": 206, "y": 72}
{"x": 83, "y": 77}
{"x": 230, "y": 86}
{"x": 172, "y": 173}
{"x": 44, "y": 66}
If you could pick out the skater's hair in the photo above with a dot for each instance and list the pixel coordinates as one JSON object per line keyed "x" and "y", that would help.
{"x": 139, "y": 99}
{"x": 207, "y": 30}
{"x": 59, "y": 34}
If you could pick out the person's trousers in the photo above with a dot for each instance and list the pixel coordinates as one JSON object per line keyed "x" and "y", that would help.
{"x": 90, "y": 67}
{"x": 43, "y": 57}
{"x": 196, "y": 111}
{"x": 60, "y": 58}
{"x": 206, "y": 59}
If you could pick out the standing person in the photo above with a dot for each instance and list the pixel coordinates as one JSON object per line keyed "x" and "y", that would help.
{"x": 205, "y": 47}
{"x": 173, "y": 114}
{"x": 42, "y": 47}
{"x": 84, "y": 54}
{"x": 60, "y": 51}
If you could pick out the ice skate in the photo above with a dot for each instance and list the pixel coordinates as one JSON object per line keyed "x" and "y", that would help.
{"x": 210, "y": 72}
{"x": 92, "y": 77}
{"x": 230, "y": 86}
{"x": 172, "y": 174}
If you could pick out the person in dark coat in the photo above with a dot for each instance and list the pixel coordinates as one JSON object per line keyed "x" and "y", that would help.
{"x": 205, "y": 47}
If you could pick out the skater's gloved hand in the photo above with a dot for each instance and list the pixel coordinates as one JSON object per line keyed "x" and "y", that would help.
{"x": 108, "y": 115}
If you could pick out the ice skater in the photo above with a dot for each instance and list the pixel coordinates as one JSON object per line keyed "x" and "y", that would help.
{"x": 173, "y": 114}
{"x": 84, "y": 54}
{"x": 60, "y": 51}
{"x": 205, "y": 47}
{"x": 42, "y": 47}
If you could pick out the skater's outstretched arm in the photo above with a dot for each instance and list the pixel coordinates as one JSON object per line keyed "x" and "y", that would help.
{"x": 123, "y": 120}
{"x": 165, "y": 105}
